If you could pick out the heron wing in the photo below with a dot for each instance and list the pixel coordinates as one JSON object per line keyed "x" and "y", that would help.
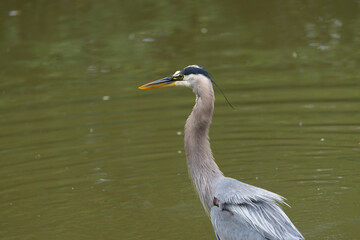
{"x": 245, "y": 209}
{"x": 232, "y": 227}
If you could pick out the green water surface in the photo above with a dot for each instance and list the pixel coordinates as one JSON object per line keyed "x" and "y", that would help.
{"x": 86, "y": 155}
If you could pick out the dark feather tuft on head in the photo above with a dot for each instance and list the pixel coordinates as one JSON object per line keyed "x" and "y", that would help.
{"x": 195, "y": 69}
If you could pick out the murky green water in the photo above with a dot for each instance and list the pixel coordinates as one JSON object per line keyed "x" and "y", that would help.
{"x": 86, "y": 155}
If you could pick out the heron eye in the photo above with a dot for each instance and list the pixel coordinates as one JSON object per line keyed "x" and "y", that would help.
{"x": 178, "y": 77}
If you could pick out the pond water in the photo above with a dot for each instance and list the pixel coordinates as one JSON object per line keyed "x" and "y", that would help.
{"x": 86, "y": 155}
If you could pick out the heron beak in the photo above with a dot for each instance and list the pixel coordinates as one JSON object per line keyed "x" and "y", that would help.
{"x": 165, "y": 82}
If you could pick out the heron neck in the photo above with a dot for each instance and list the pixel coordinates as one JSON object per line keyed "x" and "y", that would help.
{"x": 202, "y": 168}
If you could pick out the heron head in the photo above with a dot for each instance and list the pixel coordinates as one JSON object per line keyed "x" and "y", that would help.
{"x": 186, "y": 77}
{"x": 192, "y": 76}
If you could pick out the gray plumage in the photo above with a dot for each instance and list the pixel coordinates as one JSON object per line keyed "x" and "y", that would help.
{"x": 255, "y": 212}
{"x": 238, "y": 211}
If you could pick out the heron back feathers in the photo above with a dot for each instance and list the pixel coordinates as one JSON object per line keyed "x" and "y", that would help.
{"x": 253, "y": 208}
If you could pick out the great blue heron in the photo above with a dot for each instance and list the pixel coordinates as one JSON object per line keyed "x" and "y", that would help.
{"x": 238, "y": 211}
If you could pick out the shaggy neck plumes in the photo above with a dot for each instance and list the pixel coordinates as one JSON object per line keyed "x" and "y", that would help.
{"x": 202, "y": 167}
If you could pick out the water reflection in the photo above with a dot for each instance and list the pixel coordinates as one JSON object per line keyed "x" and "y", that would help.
{"x": 328, "y": 32}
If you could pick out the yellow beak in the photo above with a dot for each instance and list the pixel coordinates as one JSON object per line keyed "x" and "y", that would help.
{"x": 165, "y": 82}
